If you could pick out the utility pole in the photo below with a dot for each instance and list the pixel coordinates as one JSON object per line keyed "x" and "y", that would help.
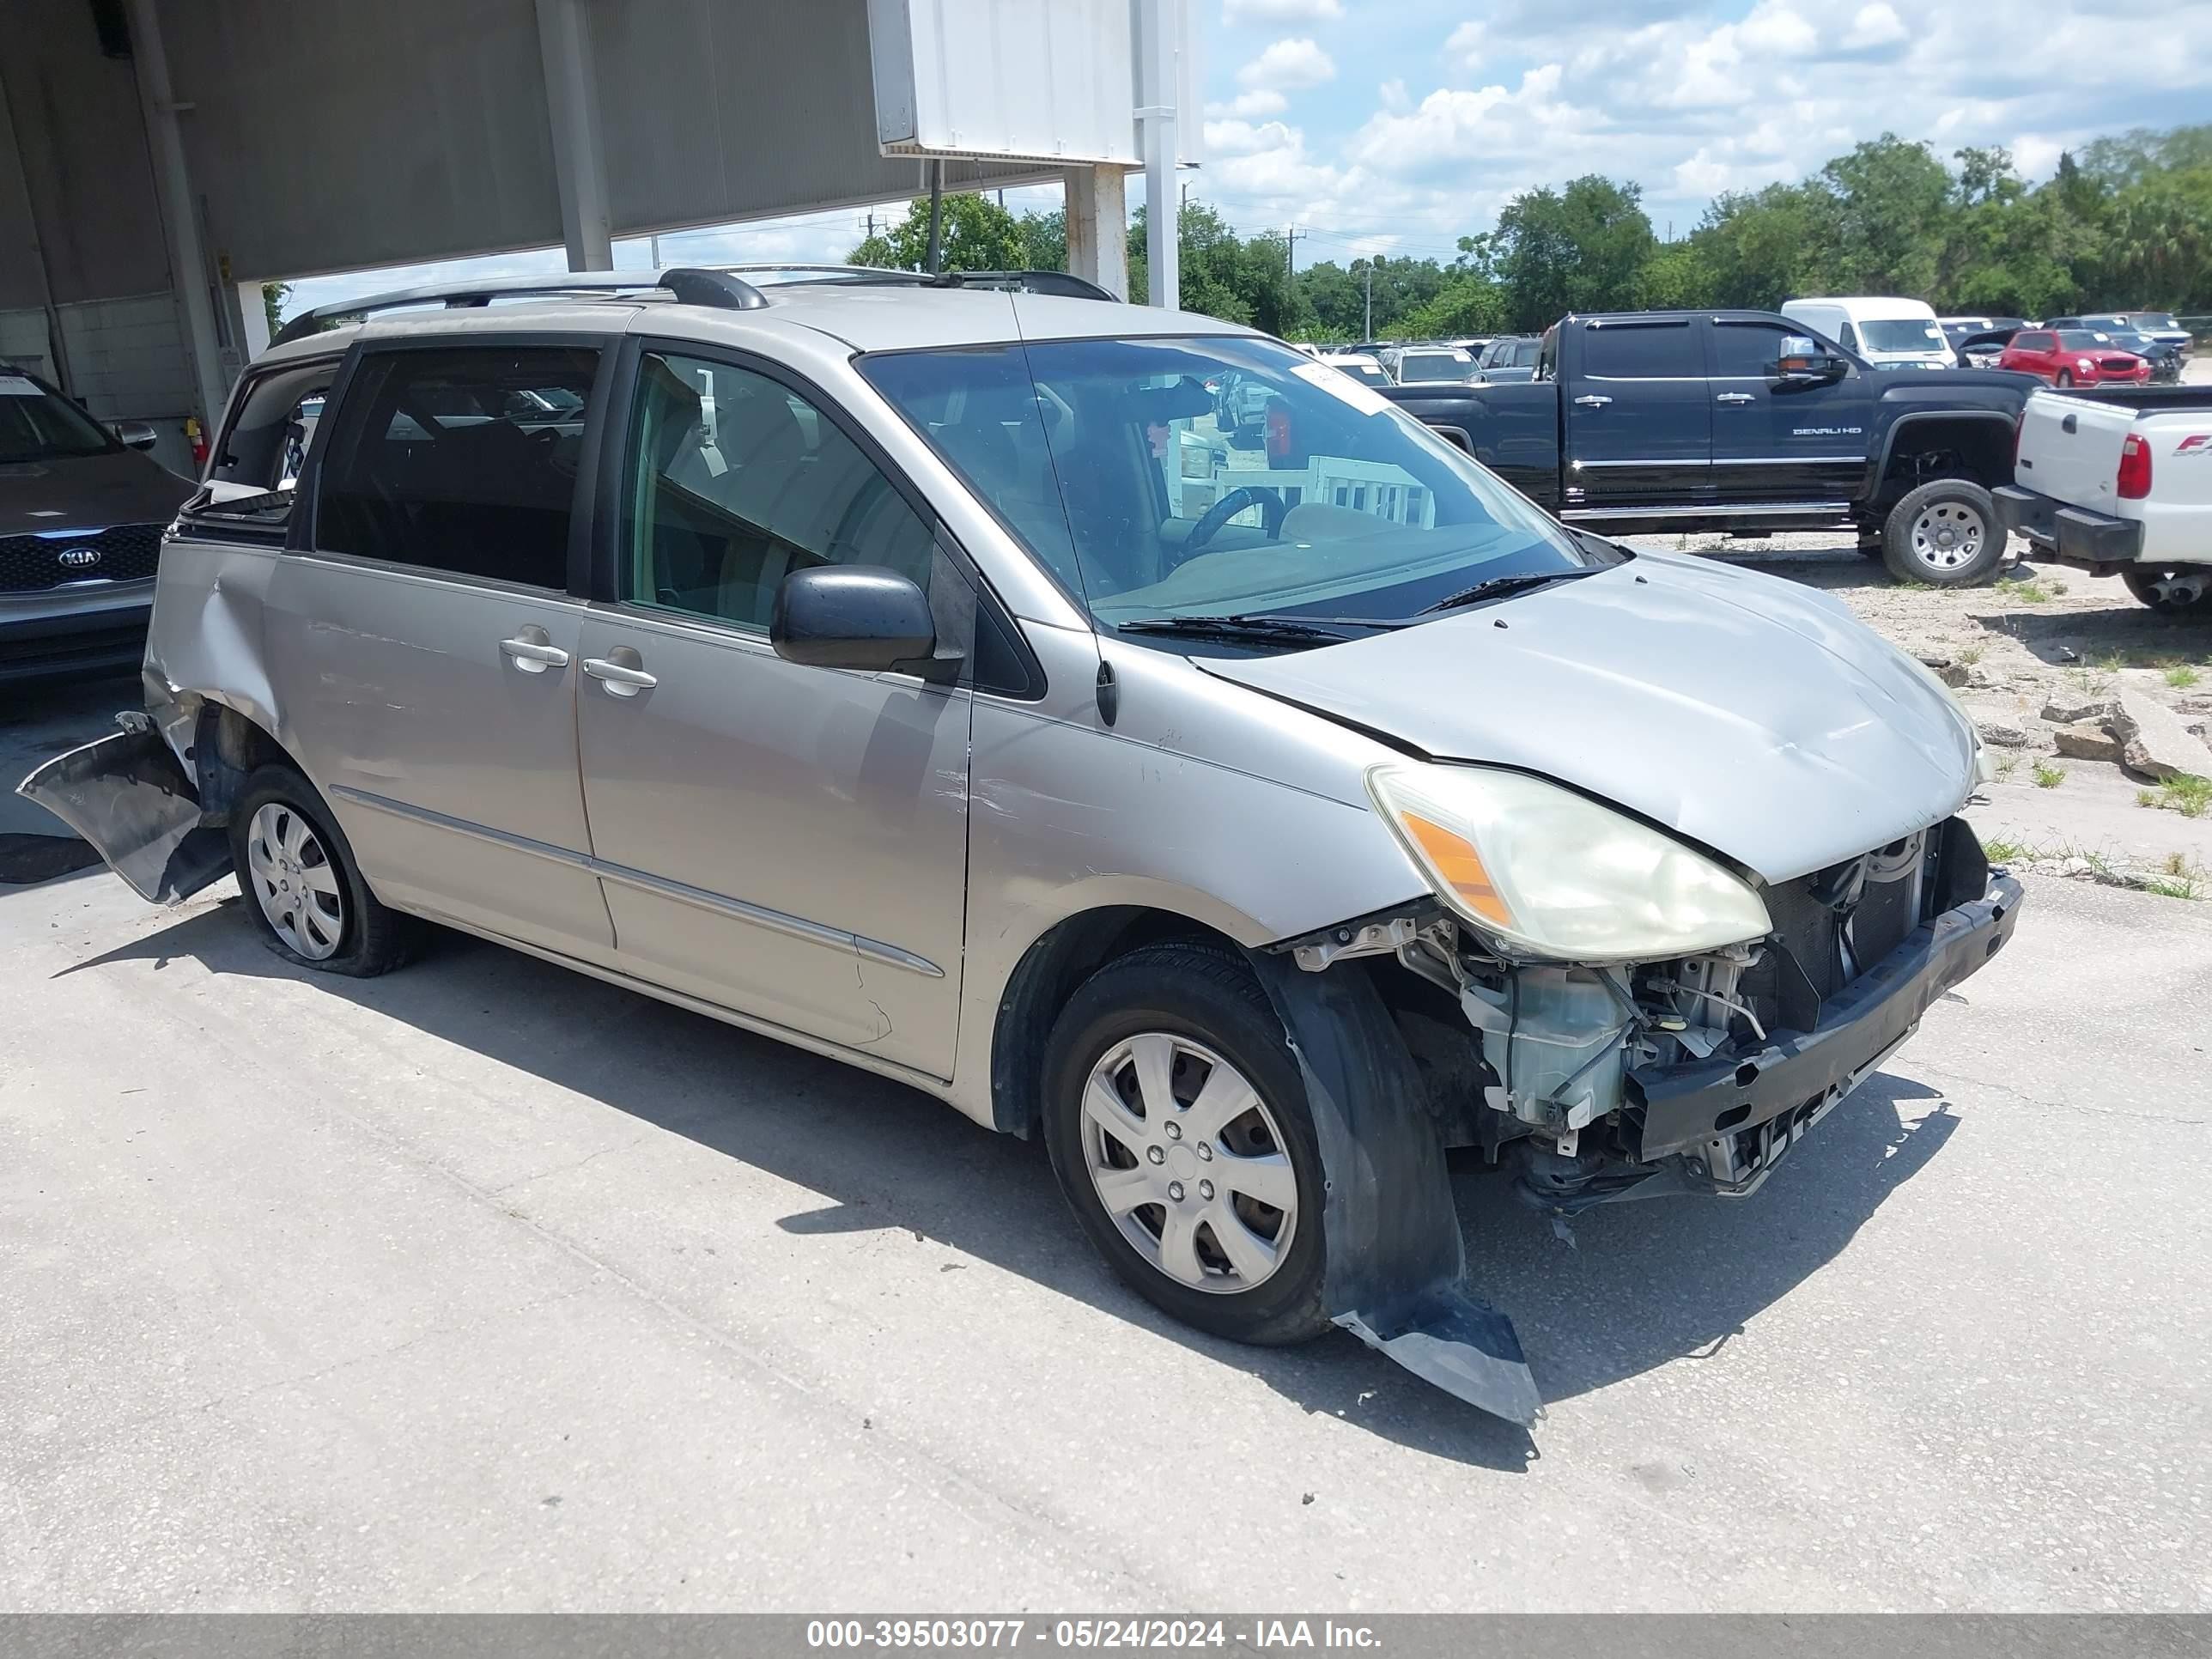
{"x": 1368, "y": 333}
{"x": 1291, "y": 255}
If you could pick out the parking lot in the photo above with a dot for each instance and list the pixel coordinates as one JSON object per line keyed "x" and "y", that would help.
{"x": 486, "y": 1285}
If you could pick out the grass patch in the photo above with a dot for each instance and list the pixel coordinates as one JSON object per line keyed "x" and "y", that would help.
{"x": 2180, "y": 887}
{"x": 1969, "y": 656}
{"x": 2048, "y": 776}
{"x": 1998, "y": 850}
{"x": 2189, "y": 796}
{"x": 2092, "y": 682}
{"x": 2022, "y": 592}
{"x": 2006, "y": 765}
{"x": 2181, "y": 677}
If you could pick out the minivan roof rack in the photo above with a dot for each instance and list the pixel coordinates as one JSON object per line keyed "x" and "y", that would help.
{"x": 690, "y": 285}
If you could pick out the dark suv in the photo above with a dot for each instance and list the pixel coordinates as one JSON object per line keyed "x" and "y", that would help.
{"x": 81, "y": 514}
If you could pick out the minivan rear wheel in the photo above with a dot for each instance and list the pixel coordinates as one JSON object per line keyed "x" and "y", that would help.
{"x": 302, "y": 888}
{"x": 1177, "y": 1125}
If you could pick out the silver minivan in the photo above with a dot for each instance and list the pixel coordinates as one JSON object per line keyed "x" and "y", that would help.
{"x": 912, "y": 672}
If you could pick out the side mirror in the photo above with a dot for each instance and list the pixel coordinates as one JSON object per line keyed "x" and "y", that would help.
{"x": 856, "y": 616}
{"x": 1805, "y": 361}
{"x": 136, "y": 435}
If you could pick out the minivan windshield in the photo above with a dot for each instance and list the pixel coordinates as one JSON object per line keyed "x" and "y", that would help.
{"x": 35, "y": 425}
{"x": 1900, "y": 334}
{"x": 1110, "y": 460}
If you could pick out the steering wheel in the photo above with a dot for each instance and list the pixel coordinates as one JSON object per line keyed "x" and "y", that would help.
{"x": 1273, "y": 510}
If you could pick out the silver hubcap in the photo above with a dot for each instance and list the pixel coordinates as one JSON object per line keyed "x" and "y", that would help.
{"x": 1189, "y": 1162}
{"x": 1948, "y": 536}
{"x": 295, "y": 882}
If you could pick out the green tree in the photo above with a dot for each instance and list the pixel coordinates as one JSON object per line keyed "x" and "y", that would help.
{"x": 976, "y": 234}
{"x": 273, "y": 295}
{"x": 1576, "y": 249}
{"x": 1891, "y": 198}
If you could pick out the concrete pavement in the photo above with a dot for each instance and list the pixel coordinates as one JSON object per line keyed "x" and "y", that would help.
{"x": 485, "y": 1285}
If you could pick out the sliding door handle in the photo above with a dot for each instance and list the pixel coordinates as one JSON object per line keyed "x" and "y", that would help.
{"x": 622, "y": 679}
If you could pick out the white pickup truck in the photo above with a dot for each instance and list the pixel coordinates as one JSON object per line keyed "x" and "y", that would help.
{"x": 2119, "y": 480}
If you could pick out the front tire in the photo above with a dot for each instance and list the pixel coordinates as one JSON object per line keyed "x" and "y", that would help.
{"x": 1945, "y": 534}
{"x": 2063, "y": 380}
{"x": 1176, "y": 1120}
{"x": 302, "y": 888}
{"x": 2172, "y": 589}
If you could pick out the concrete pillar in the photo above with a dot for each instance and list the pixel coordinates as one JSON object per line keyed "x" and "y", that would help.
{"x": 572, "y": 104}
{"x": 1159, "y": 46}
{"x": 180, "y": 221}
{"x": 1098, "y": 227}
{"x": 252, "y": 322}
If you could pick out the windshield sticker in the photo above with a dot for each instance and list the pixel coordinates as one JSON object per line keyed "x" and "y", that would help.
{"x": 1339, "y": 385}
{"x": 15, "y": 386}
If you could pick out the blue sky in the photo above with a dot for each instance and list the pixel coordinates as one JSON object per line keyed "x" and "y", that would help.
{"x": 1398, "y": 126}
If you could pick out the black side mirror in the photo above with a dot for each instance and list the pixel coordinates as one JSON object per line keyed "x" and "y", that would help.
{"x": 856, "y": 616}
{"x": 136, "y": 435}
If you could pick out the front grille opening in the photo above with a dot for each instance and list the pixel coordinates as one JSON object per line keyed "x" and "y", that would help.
{"x": 33, "y": 564}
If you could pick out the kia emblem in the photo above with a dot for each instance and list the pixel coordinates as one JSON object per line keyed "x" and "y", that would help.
{"x": 80, "y": 558}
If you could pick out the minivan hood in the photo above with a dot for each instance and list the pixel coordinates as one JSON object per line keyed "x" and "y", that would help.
{"x": 1751, "y": 715}
{"x": 88, "y": 492}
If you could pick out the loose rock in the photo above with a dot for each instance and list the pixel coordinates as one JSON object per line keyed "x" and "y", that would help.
{"x": 2153, "y": 742}
{"x": 1999, "y": 735}
{"x": 2064, "y": 711}
{"x": 2086, "y": 741}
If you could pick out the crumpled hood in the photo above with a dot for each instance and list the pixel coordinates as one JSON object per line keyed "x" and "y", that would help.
{"x": 1749, "y": 714}
{"x": 89, "y": 492}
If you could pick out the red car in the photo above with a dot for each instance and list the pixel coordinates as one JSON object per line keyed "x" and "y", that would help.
{"x": 2073, "y": 356}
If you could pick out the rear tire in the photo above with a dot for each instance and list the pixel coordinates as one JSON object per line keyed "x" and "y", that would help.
{"x": 302, "y": 888}
{"x": 1945, "y": 534}
{"x": 1148, "y": 1074}
{"x": 2172, "y": 589}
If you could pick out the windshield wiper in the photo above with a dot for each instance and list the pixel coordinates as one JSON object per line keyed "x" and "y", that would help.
{"x": 1270, "y": 630}
{"x": 1499, "y": 586}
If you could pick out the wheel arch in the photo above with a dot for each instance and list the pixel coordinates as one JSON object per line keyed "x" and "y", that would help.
{"x": 1981, "y": 439}
{"x": 1048, "y": 973}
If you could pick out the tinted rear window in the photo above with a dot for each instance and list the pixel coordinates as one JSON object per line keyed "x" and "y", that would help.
{"x": 1644, "y": 351}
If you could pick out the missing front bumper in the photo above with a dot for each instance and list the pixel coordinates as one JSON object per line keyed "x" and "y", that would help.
{"x": 1706, "y": 1109}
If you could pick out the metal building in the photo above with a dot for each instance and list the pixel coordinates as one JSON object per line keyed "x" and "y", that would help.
{"x": 161, "y": 159}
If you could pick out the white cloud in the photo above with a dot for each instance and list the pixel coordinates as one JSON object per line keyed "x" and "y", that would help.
{"x": 1243, "y": 138}
{"x": 1875, "y": 24}
{"x": 1281, "y": 11}
{"x": 1251, "y": 106}
{"x": 1773, "y": 30}
{"x": 1289, "y": 65}
{"x": 1464, "y": 44}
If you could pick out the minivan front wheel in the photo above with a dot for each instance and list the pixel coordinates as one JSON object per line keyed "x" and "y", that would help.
{"x": 301, "y": 885}
{"x": 1177, "y": 1124}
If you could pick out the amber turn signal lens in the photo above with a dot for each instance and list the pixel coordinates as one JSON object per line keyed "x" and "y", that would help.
{"x": 1455, "y": 859}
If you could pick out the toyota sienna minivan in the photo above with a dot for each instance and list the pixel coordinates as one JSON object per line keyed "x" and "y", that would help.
{"x": 912, "y": 672}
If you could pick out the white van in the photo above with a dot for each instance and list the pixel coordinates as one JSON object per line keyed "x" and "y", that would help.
{"x": 1888, "y": 333}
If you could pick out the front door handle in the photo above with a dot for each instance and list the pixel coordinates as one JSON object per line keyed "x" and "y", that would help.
{"x": 1592, "y": 400}
{"x": 621, "y": 672}
{"x": 1735, "y": 398}
{"x": 532, "y": 651}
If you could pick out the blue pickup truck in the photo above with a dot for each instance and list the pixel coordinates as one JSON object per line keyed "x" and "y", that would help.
{"x": 1743, "y": 422}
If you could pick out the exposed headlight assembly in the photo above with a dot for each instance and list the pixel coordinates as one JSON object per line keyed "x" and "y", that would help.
{"x": 1546, "y": 872}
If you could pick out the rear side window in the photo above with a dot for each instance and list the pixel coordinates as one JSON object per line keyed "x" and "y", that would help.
{"x": 462, "y": 461}
{"x": 2031, "y": 342}
{"x": 1645, "y": 351}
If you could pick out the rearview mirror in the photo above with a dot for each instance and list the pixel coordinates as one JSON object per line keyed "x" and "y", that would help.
{"x": 136, "y": 435}
{"x": 856, "y": 616}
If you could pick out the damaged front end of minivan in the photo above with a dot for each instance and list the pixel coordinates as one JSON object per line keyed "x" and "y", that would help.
{"x": 1609, "y": 1077}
